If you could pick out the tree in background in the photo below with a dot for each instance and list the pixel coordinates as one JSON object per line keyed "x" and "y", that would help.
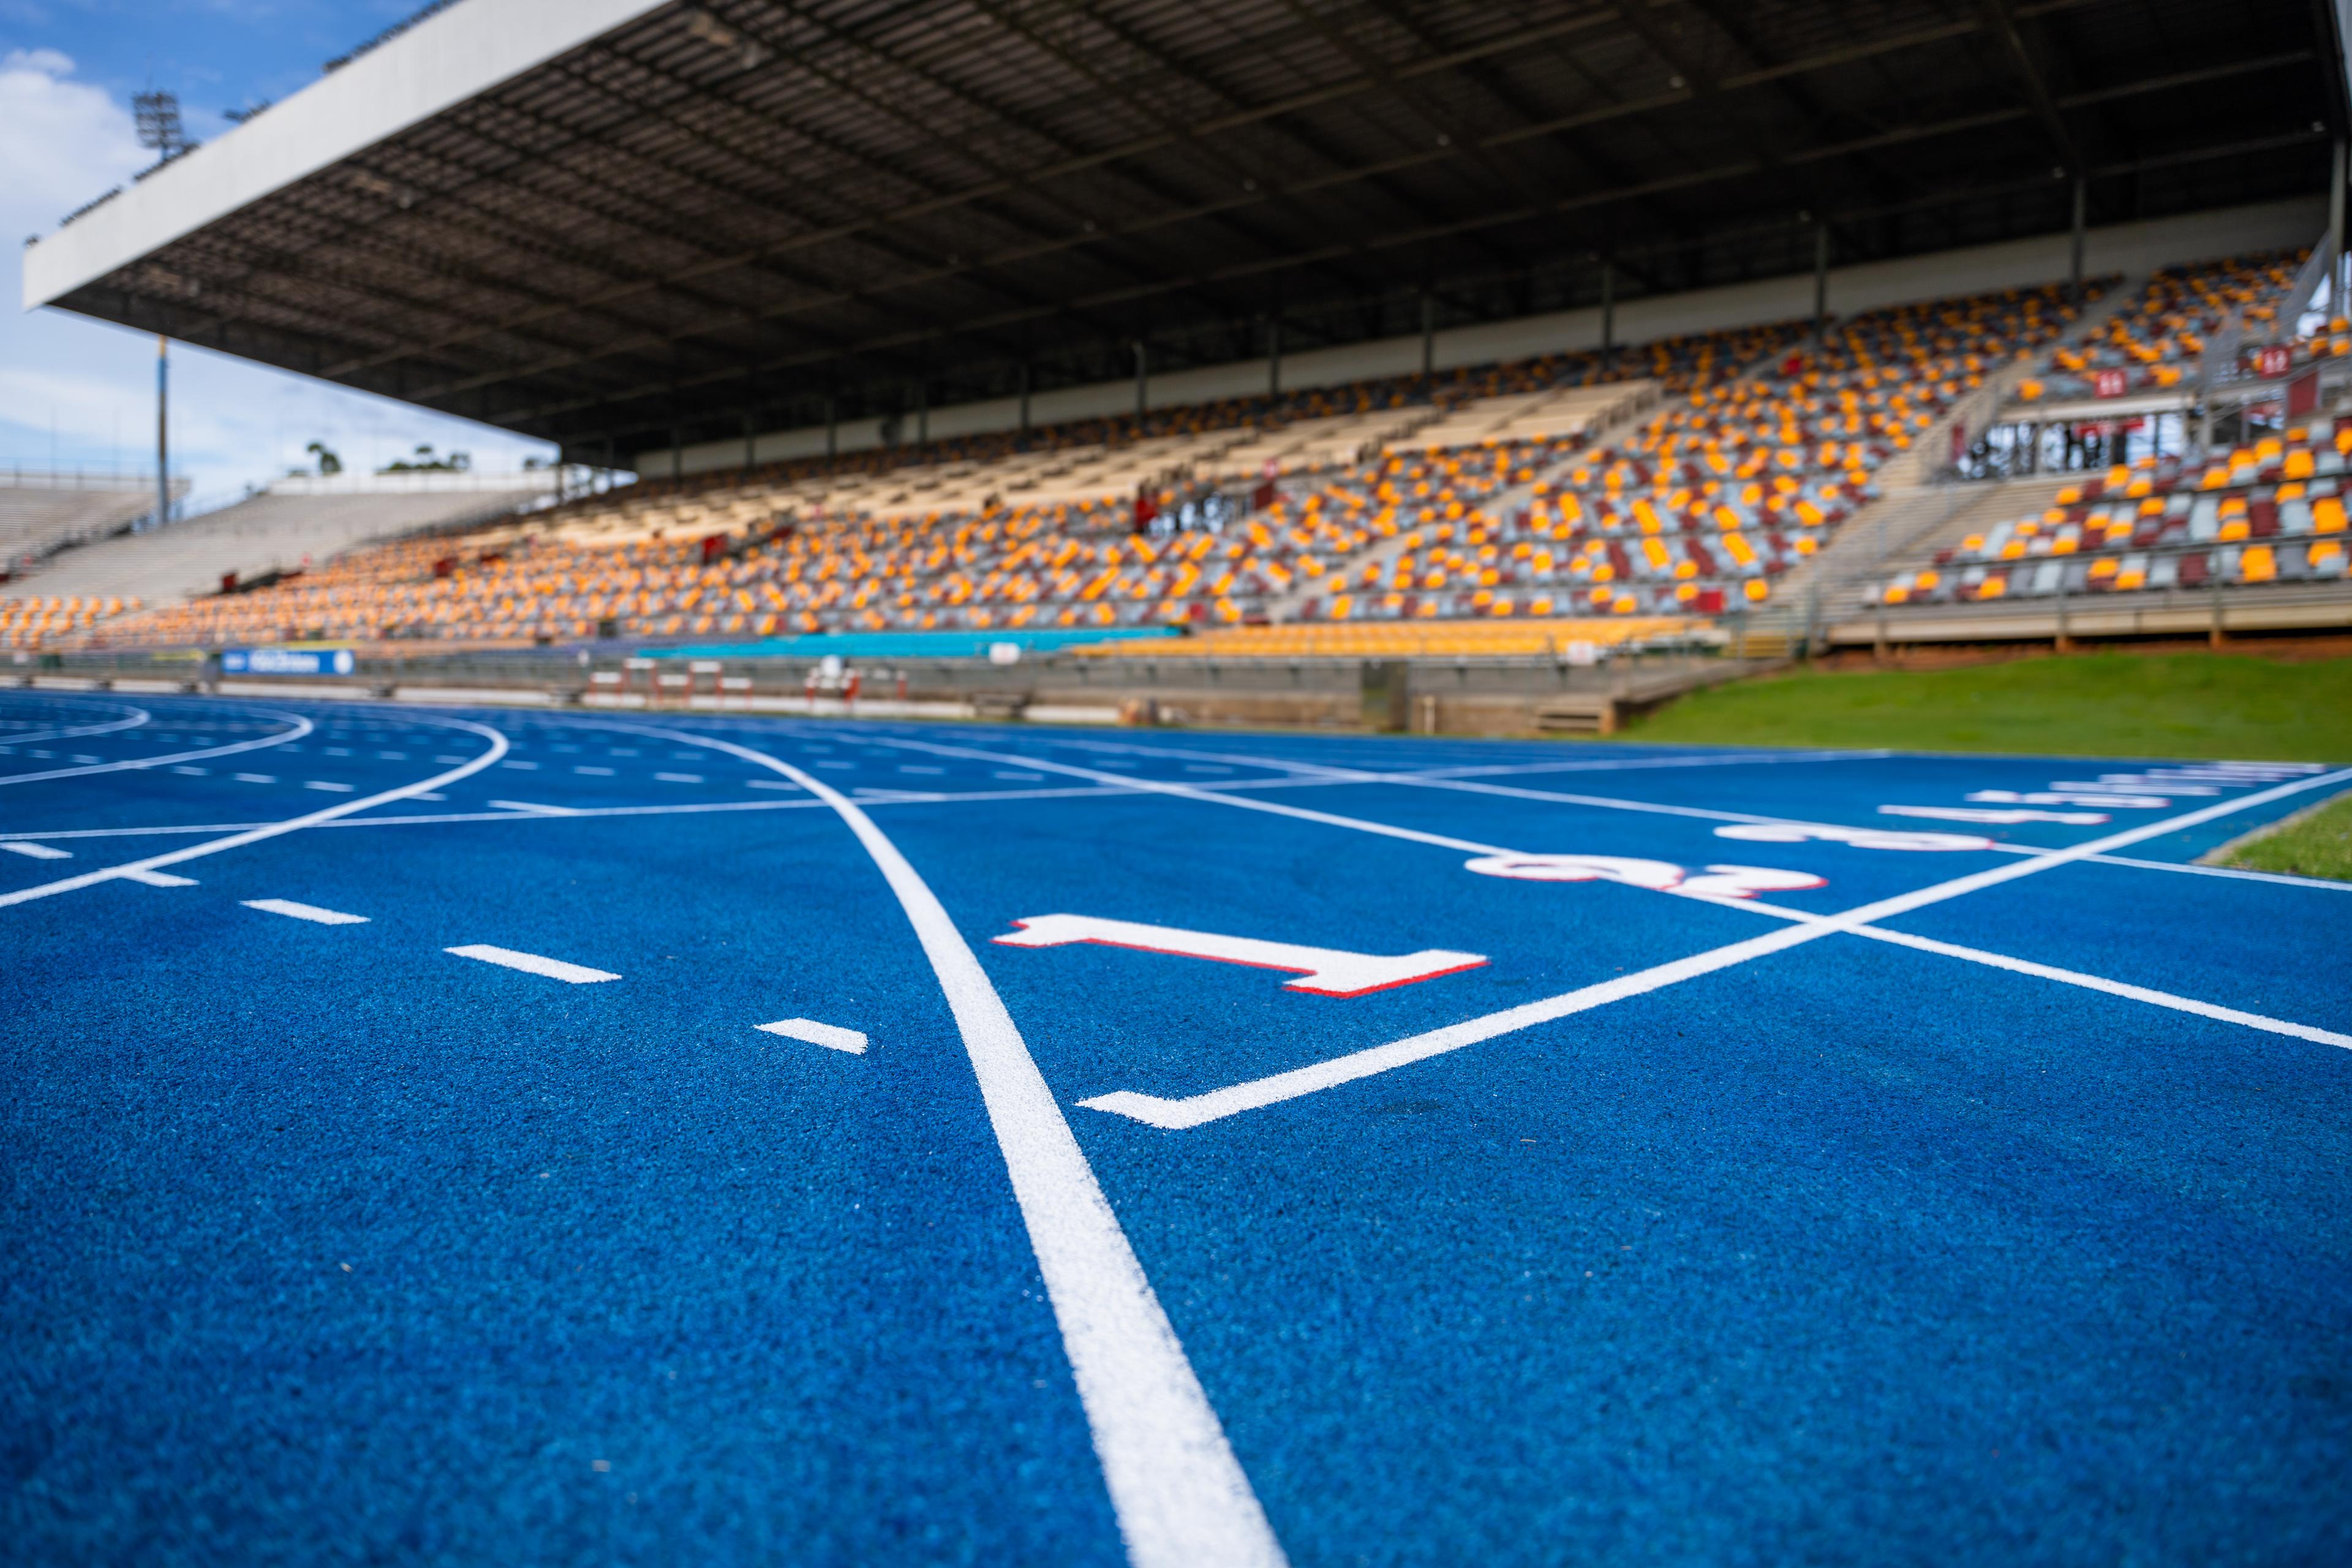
{"x": 422, "y": 461}
{"x": 328, "y": 463}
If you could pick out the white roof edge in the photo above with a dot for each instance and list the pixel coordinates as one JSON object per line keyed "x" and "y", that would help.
{"x": 441, "y": 62}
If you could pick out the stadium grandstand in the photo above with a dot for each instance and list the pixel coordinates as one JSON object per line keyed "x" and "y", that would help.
{"x": 911, "y": 325}
{"x": 965, "y": 928}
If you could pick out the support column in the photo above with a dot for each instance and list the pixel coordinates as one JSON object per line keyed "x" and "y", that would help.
{"x": 1274, "y": 357}
{"x": 1428, "y": 334}
{"x": 676, "y": 452}
{"x": 1025, "y": 396}
{"x": 1820, "y": 283}
{"x": 1608, "y": 315}
{"x": 750, "y": 447}
{"x": 2082, "y": 208}
{"x": 2336, "y": 236}
{"x": 832, "y": 425}
{"x": 922, "y": 411}
{"x": 1142, "y": 379}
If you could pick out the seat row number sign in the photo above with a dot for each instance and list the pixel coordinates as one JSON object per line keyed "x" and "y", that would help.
{"x": 1321, "y": 971}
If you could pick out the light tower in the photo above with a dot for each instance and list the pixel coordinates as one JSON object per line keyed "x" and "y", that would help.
{"x": 158, "y": 116}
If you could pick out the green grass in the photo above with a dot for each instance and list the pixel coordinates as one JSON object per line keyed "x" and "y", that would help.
{"x": 2320, "y": 845}
{"x": 2113, "y": 704}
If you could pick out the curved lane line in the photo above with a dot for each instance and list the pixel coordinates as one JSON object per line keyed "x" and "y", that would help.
{"x": 138, "y": 716}
{"x": 273, "y": 829}
{"x": 302, "y": 727}
{"x": 1181, "y": 1497}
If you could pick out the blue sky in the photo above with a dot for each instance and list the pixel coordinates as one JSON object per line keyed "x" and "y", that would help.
{"x": 85, "y": 391}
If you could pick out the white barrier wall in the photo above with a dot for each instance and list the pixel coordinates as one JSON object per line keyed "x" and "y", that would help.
{"x": 2133, "y": 249}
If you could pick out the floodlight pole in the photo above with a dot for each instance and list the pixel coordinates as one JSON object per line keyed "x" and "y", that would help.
{"x": 162, "y": 429}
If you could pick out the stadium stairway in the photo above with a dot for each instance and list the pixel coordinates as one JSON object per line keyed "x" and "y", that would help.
{"x": 37, "y": 519}
{"x": 264, "y": 534}
{"x": 1916, "y": 514}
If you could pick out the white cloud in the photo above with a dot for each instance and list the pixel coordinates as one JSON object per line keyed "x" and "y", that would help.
{"x": 61, "y": 141}
{"x": 86, "y": 390}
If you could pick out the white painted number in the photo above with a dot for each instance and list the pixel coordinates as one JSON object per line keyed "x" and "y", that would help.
{"x": 1659, "y": 876}
{"x": 1322, "y": 971}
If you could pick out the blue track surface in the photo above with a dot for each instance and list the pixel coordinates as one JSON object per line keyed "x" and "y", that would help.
{"x": 325, "y": 1243}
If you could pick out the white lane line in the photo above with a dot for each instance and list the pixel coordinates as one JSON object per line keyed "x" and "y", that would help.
{"x": 193, "y": 772}
{"x": 303, "y": 911}
{"x": 326, "y": 787}
{"x": 254, "y": 778}
{"x": 680, "y": 778}
{"x": 36, "y": 851}
{"x": 159, "y": 879}
{"x": 1181, "y": 1497}
{"x": 532, "y": 808}
{"x": 135, "y": 717}
{"x": 2112, "y": 987}
{"x": 533, "y": 964}
{"x": 1196, "y": 1110}
{"x": 593, "y": 772}
{"x": 2234, "y": 873}
{"x": 831, "y": 1036}
{"x": 300, "y": 728}
{"x": 497, "y": 749}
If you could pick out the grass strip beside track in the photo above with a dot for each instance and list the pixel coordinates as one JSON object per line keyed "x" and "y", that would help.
{"x": 2110, "y": 704}
{"x": 2315, "y": 842}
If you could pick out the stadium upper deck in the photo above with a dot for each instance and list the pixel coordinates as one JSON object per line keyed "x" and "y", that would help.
{"x": 631, "y": 226}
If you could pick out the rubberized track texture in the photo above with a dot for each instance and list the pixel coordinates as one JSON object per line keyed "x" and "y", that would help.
{"x": 470, "y": 1137}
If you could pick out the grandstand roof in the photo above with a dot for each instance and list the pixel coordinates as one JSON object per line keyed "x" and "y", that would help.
{"x": 614, "y": 224}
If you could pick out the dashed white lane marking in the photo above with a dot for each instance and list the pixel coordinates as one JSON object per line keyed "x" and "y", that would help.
{"x": 521, "y": 767}
{"x": 329, "y": 785}
{"x": 304, "y": 911}
{"x": 37, "y": 851}
{"x": 680, "y": 778}
{"x": 914, "y": 768}
{"x": 155, "y": 879}
{"x": 830, "y": 1036}
{"x": 595, "y": 773}
{"x": 255, "y": 778}
{"x": 534, "y": 809}
{"x": 193, "y": 772}
{"x": 773, "y": 783}
{"x": 449, "y": 759}
{"x": 533, "y": 964}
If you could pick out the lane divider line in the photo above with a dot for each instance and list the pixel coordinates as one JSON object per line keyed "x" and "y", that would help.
{"x": 1181, "y": 1496}
{"x": 1193, "y": 1110}
{"x": 300, "y": 727}
{"x": 497, "y": 749}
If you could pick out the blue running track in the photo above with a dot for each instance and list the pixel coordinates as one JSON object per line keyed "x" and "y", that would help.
{"x": 1397, "y": 1152}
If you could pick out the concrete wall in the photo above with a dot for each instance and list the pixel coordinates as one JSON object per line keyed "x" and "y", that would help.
{"x": 2133, "y": 249}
